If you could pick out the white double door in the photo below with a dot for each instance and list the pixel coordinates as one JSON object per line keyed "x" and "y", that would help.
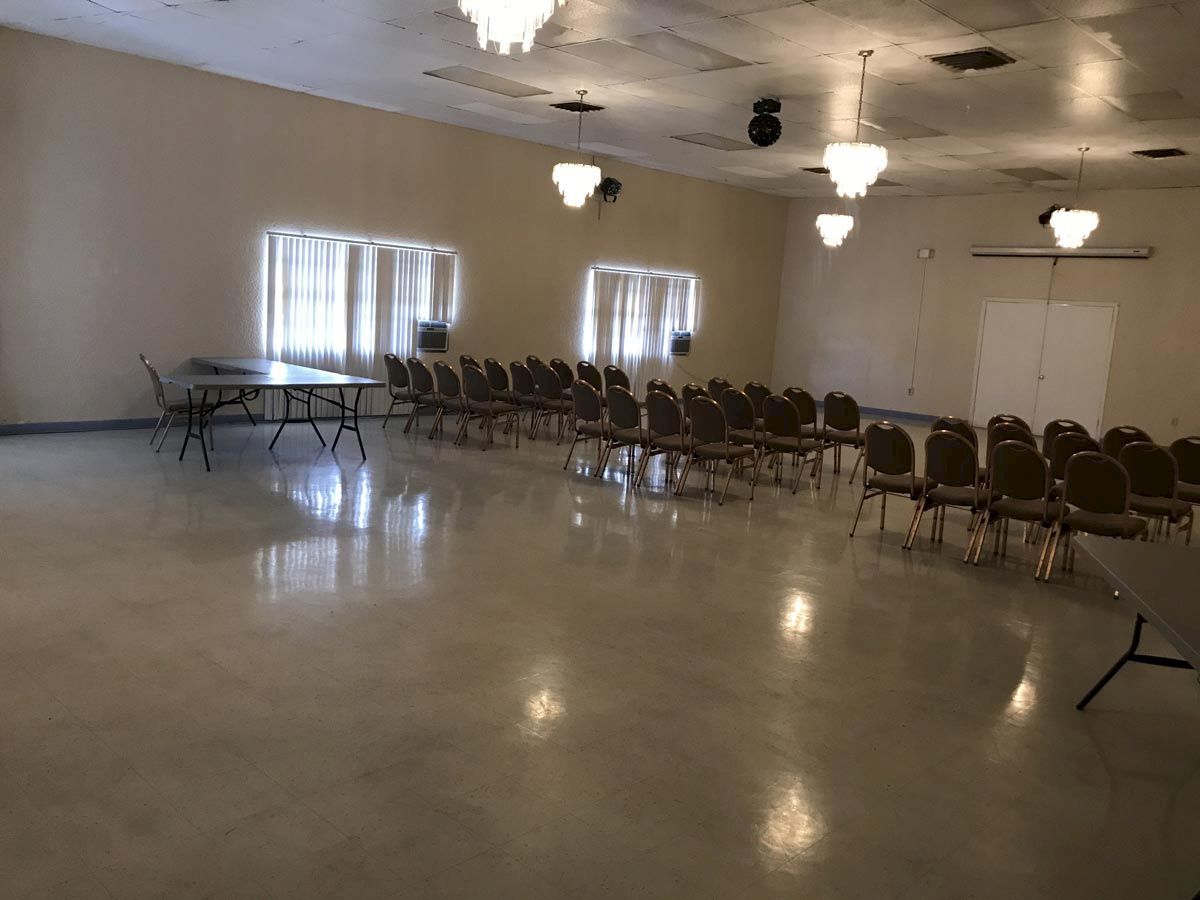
{"x": 1044, "y": 361}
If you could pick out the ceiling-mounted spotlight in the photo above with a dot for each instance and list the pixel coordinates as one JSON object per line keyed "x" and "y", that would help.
{"x": 765, "y": 128}
{"x": 610, "y": 190}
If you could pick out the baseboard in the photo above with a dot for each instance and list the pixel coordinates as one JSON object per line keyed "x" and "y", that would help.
{"x": 13, "y": 428}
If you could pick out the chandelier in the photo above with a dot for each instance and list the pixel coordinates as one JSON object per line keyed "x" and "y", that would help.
{"x": 1073, "y": 226}
{"x": 577, "y": 181}
{"x": 508, "y": 22}
{"x": 834, "y": 227}
{"x": 854, "y": 165}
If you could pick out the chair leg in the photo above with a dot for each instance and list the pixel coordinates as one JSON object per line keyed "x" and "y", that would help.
{"x": 687, "y": 468}
{"x": 393, "y": 405}
{"x": 728, "y": 478}
{"x": 882, "y": 508}
{"x": 857, "y": 462}
{"x": 858, "y": 512}
{"x": 171, "y": 418}
{"x": 642, "y": 464}
{"x": 571, "y": 452}
{"x": 915, "y": 524}
{"x": 157, "y": 425}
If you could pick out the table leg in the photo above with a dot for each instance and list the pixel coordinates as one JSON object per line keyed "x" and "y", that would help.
{"x": 357, "y": 432}
{"x": 1131, "y": 655}
{"x": 342, "y": 423}
{"x": 203, "y": 446}
{"x": 188, "y": 434}
{"x": 287, "y": 414}
{"x": 311, "y": 421}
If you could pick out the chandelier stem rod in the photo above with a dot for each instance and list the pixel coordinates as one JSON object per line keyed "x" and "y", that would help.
{"x": 862, "y": 87}
{"x": 1079, "y": 176}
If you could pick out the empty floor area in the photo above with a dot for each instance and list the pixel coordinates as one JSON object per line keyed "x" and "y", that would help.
{"x": 449, "y": 673}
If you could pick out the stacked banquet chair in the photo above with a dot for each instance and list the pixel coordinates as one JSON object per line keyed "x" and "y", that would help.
{"x": 842, "y": 428}
{"x": 717, "y": 387}
{"x": 963, "y": 429}
{"x": 687, "y": 394}
{"x": 589, "y": 373}
{"x": 758, "y": 393}
{"x": 783, "y": 435}
{"x": 1094, "y": 500}
{"x": 614, "y": 376}
{"x": 889, "y": 467}
{"x": 1054, "y": 429}
{"x": 708, "y": 443}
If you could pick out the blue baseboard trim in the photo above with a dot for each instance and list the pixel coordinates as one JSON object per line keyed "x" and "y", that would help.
{"x": 15, "y": 428}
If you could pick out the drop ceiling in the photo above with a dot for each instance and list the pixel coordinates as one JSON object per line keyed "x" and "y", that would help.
{"x": 677, "y": 79}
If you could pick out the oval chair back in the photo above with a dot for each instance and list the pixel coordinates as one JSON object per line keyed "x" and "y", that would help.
{"x": 419, "y": 376}
{"x": 549, "y": 386}
{"x": 522, "y": 380}
{"x": 1186, "y": 451}
{"x": 396, "y": 372}
{"x": 1152, "y": 469}
{"x": 657, "y": 384}
{"x": 496, "y": 376}
{"x": 717, "y": 387}
{"x": 1097, "y": 483}
{"x": 476, "y": 386}
{"x": 738, "y": 410}
{"x": 961, "y": 427}
{"x": 663, "y": 416}
{"x": 889, "y": 450}
{"x": 757, "y": 392}
{"x": 708, "y": 422}
{"x": 780, "y": 416}
{"x": 1008, "y": 417}
{"x": 951, "y": 460}
{"x": 623, "y": 409}
{"x": 1019, "y": 471}
{"x": 1054, "y": 429}
{"x": 806, "y": 405}
{"x": 448, "y": 384}
{"x": 1116, "y": 438}
{"x": 563, "y": 371}
{"x": 160, "y": 396}
{"x": 533, "y": 362}
{"x": 614, "y": 376}
{"x": 467, "y": 359}
{"x": 690, "y": 392}
{"x": 587, "y": 402}
{"x": 841, "y": 412}
{"x": 1066, "y": 446}
{"x": 589, "y": 373}
{"x": 1000, "y": 432}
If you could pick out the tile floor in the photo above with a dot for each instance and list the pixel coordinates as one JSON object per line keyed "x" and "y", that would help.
{"x": 445, "y": 673}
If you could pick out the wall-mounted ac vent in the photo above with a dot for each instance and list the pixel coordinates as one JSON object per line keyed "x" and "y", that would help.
{"x": 577, "y": 106}
{"x": 432, "y": 336}
{"x": 681, "y": 343}
{"x": 1160, "y": 153}
{"x": 973, "y": 60}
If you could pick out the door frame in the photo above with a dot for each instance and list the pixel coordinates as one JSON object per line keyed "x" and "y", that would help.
{"x": 979, "y": 347}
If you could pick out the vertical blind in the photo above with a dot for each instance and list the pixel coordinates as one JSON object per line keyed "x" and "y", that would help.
{"x": 631, "y": 319}
{"x": 341, "y": 305}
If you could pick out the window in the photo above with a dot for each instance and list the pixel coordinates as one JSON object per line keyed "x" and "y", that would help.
{"x": 631, "y": 316}
{"x": 341, "y": 305}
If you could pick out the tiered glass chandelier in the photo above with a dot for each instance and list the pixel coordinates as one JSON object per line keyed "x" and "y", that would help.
{"x": 834, "y": 227}
{"x": 505, "y": 23}
{"x": 854, "y": 165}
{"x": 577, "y": 181}
{"x": 1073, "y": 226}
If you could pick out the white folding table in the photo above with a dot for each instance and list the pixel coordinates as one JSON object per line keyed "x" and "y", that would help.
{"x": 246, "y": 376}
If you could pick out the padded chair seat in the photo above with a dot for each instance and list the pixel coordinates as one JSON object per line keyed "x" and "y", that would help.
{"x": 948, "y": 495}
{"x": 723, "y": 451}
{"x": 505, "y": 396}
{"x": 1159, "y": 506}
{"x": 1189, "y": 492}
{"x": 635, "y": 436}
{"x": 565, "y": 404}
{"x": 592, "y": 429}
{"x": 1105, "y": 524}
{"x": 1024, "y": 510}
{"x": 671, "y": 442}
{"x": 1056, "y": 490}
{"x": 494, "y": 406}
{"x": 527, "y": 400}
{"x": 788, "y": 444}
{"x": 743, "y": 436}
{"x": 846, "y": 438}
{"x": 455, "y": 403}
{"x": 898, "y": 484}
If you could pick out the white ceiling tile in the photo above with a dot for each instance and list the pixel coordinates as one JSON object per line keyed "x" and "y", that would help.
{"x": 749, "y": 171}
{"x": 987, "y": 15}
{"x": 897, "y": 65}
{"x": 899, "y": 21}
{"x": 811, "y": 27}
{"x": 947, "y": 144}
{"x": 624, "y": 59}
{"x": 1110, "y": 78}
{"x": 491, "y": 110}
{"x": 1051, "y": 44}
{"x": 1078, "y": 9}
{"x": 32, "y": 12}
{"x": 743, "y": 40}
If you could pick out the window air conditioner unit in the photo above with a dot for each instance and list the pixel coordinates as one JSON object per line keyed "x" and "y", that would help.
{"x": 681, "y": 343}
{"x": 432, "y": 336}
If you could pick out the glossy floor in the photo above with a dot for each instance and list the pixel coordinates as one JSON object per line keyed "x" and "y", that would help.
{"x": 447, "y": 673}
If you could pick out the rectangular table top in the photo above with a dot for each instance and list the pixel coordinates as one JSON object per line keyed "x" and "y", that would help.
{"x": 1162, "y": 580}
{"x": 251, "y": 373}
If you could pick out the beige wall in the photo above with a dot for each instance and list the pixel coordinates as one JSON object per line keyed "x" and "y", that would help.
{"x": 136, "y": 195}
{"x": 848, "y": 316}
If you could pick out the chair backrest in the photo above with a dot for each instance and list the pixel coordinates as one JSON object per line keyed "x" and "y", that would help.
{"x": 533, "y": 362}
{"x": 522, "y": 379}
{"x": 396, "y": 372}
{"x": 717, "y": 387}
{"x": 889, "y": 450}
{"x": 1067, "y": 445}
{"x": 614, "y": 375}
{"x": 805, "y": 404}
{"x": 841, "y": 412}
{"x": 691, "y": 391}
{"x": 496, "y": 376}
{"x": 563, "y": 371}
{"x": 951, "y": 460}
{"x": 1096, "y": 483}
{"x": 448, "y": 385}
{"x": 467, "y": 359}
{"x": 657, "y": 384}
{"x": 419, "y": 376}
{"x": 1008, "y": 417}
{"x": 663, "y": 415}
{"x": 1054, "y": 429}
{"x": 708, "y": 422}
{"x": 159, "y": 396}
{"x": 549, "y": 386}
{"x": 589, "y": 373}
{"x": 780, "y": 416}
{"x": 476, "y": 385}
{"x": 739, "y": 411}
{"x": 959, "y": 426}
{"x": 587, "y": 402}
{"x": 623, "y": 409}
{"x": 1152, "y": 469}
{"x": 1186, "y": 451}
{"x": 1019, "y": 471}
{"x": 1002, "y": 431}
{"x": 1116, "y": 438}
{"x": 757, "y": 392}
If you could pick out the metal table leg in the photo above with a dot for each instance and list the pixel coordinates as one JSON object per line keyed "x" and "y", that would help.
{"x": 344, "y": 408}
{"x": 1131, "y": 655}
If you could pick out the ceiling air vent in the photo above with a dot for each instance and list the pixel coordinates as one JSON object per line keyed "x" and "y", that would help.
{"x": 1160, "y": 153}
{"x": 973, "y": 60}
{"x": 577, "y": 106}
